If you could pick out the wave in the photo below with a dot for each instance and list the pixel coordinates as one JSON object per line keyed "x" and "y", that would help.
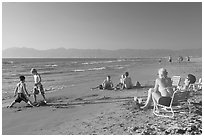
{"x": 8, "y": 62}
{"x": 51, "y": 65}
{"x": 85, "y": 63}
{"x": 78, "y": 70}
{"x": 105, "y": 62}
{"x": 93, "y": 69}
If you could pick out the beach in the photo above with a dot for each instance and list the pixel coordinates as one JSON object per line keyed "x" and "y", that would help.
{"x": 74, "y": 109}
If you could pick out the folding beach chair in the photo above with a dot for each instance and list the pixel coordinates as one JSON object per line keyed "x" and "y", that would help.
{"x": 164, "y": 107}
{"x": 198, "y": 85}
{"x": 176, "y": 81}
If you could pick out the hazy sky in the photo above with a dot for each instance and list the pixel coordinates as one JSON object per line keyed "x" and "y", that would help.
{"x": 102, "y": 25}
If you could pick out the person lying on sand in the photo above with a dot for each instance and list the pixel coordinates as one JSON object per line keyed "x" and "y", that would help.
{"x": 162, "y": 88}
{"x": 127, "y": 82}
{"x": 21, "y": 93}
{"x": 107, "y": 84}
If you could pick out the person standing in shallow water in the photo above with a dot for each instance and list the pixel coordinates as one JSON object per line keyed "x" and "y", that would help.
{"x": 38, "y": 87}
{"x": 170, "y": 59}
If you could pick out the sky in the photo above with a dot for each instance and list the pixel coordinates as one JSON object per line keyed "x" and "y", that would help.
{"x": 100, "y": 25}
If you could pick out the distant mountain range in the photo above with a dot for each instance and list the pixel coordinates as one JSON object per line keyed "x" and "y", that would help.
{"x": 96, "y": 53}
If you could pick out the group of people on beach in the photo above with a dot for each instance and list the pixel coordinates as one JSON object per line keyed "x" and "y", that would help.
{"x": 162, "y": 88}
{"x": 161, "y": 93}
{"x": 125, "y": 83}
{"x": 180, "y": 59}
{"x": 21, "y": 92}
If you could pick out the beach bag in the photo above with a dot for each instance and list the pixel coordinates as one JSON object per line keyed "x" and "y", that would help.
{"x": 138, "y": 85}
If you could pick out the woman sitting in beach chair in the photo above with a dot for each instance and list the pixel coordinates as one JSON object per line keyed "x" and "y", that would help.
{"x": 180, "y": 97}
{"x": 107, "y": 84}
{"x": 162, "y": 88}
{"x": 163, "y": 91}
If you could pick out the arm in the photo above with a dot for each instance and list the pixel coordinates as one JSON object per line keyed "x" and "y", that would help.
{"x": 111, "y": 83}
{"x": 15, "y": 91}
{"x": 156, "y": 86}
{"x": 103, "y": 84}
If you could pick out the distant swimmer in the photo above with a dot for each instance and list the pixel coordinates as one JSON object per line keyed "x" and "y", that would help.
{"x": 160, "y": 60}
{"x": 188, "y": 58}
{"x": 170, "y": 59}
{"x": 180, "y": 59}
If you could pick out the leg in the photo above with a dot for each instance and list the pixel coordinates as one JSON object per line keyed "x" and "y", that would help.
{"x": 30, "y": 103}
{"x": 43, "y": 95}
{"x": 149, "y": 99}
{"x": 155, "y": 97}
{"x": 14, "y": 102}
{"x": 34, "y": 95}
{"x": 35, "y": 92}
{"x": 98, "y": 87}
{"x": 42, "y": 92}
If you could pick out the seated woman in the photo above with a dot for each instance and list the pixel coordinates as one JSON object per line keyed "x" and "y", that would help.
{"x": 191, "y": 79}
{"x": 107, "y": 84}
{"x": 127, "y": 82}
{"x": 162, "y": 88}
{"x": 120, "y": 84}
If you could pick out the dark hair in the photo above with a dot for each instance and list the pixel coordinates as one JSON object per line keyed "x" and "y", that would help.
{"x": 22, "y": 78}
{"x": 191, "y": 78}
{"x": 126, "y": 74}
{"x": 108, "y": 76}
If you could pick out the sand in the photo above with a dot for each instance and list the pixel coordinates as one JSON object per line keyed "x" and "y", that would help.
{"x": 105, "y": 112}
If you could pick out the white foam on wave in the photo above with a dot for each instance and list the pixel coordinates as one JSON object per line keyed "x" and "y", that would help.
{"x": 85, "y": 63}
{"x": 8, "y": 62}
{"x": 101, "y": 68}
{"x": 79, "y": 70}
{"x": 51, "y": 65}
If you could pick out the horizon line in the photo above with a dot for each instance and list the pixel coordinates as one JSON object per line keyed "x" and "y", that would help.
{"x": 97, "y": 49}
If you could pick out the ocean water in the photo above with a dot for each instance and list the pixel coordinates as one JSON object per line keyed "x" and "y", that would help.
{"x": 62, "y": 72}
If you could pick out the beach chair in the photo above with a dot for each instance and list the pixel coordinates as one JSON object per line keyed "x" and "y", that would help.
{"x": 176, "y": 81}
{"x": 167, "y": 105}
{"x": 198, "y": 85}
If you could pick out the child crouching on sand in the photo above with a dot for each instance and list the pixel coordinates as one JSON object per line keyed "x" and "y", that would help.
{"x": 21, "y": 93}
{"x": 38, "y": 87}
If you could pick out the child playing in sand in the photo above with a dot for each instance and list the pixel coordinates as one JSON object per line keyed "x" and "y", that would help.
{"x": 38, "y": 87}
{"x": 21, "y": 93}
{"x": 107, "y": 84}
